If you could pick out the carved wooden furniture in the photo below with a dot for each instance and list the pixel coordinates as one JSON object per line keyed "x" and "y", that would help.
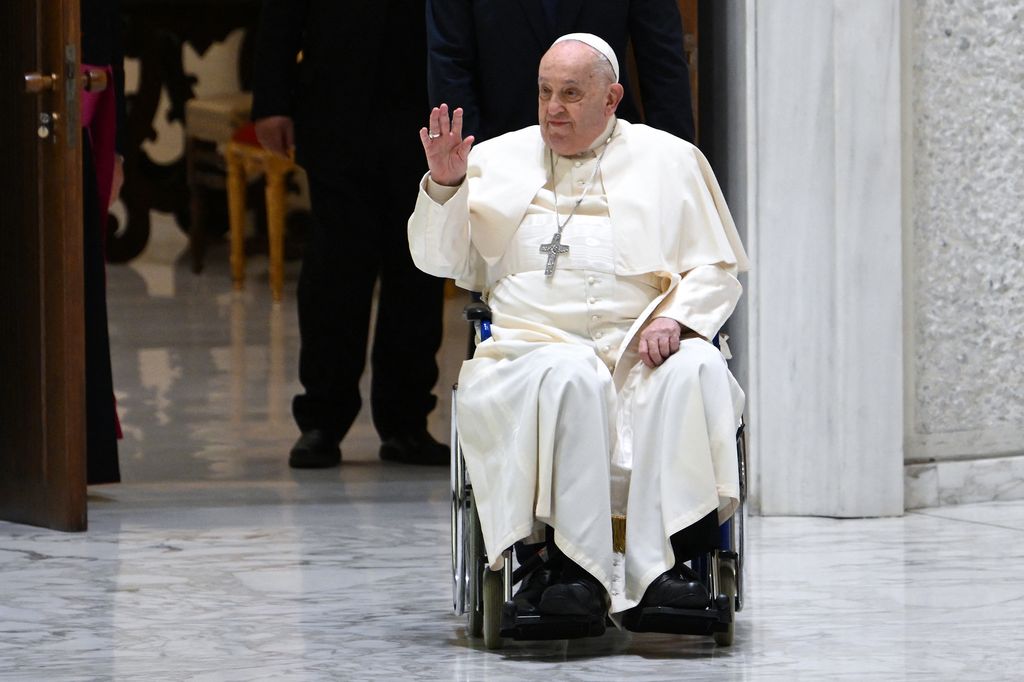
{"x": 245, "y": 157}
{"x": 155, "y": 33}
{"x": 210, "y": 123}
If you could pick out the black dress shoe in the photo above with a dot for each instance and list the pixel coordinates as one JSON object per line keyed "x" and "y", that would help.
{"x": 580, "y": 597}
{"x": 315, "y": 449}
{"x": 530, "y": 591}
{"x": 415, "y": 448}
{"x": 677, "y": 588}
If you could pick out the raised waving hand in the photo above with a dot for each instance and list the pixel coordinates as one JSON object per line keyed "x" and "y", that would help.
{"x": 447, "y": 153}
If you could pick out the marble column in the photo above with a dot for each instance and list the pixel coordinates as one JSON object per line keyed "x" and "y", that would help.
{"x": 824, "y": 309}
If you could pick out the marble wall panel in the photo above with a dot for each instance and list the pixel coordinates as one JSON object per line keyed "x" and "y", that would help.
{"x": 828, "y": 231}
{"x": 967, "y": 273}
{"x": 868, "y": 227}
{"x": 944, "y": 483}
{"x": 850, "y": 211}
{"x": 793, "y": 407}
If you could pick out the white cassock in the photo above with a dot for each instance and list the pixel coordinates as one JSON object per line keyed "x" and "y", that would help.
{"x": 559, "y": 420}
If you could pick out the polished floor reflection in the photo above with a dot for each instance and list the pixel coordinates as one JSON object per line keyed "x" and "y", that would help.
{"x": 214, "y": 561}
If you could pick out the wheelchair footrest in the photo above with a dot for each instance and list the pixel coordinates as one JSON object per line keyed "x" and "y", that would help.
{"x": 535, "y": 627}
{"x": 680, "y": 621}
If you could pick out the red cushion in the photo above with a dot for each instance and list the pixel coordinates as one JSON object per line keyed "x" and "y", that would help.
{"x": 246, "y": 135}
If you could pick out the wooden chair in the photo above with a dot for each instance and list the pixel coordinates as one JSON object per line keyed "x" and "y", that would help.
{"x": 246, "y": 157}
{"x": 210, "y": 123}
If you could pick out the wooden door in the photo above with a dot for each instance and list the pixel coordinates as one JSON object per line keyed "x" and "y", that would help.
{"x": 42, "y": 403}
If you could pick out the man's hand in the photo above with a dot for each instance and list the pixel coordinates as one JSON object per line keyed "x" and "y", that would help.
{"x": 659, "y": 340}
{"x": 447, "y": 153}
{"x": 117, "y": 181}
{"x": 276, "y": 134}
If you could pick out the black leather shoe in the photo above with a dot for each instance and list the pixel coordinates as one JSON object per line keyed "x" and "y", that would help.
{"x": 677, "y": 588}
{"x": 315, "y": 449}
{"x": 580, "y": 597}
{"x": 416, "y": 448}
{"x": 530, "y": 591}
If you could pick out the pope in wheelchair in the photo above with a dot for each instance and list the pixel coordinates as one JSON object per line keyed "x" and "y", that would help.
{"x": 609, "y": 260}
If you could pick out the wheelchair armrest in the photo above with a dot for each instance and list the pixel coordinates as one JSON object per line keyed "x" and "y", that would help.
{"x": 477, "y": 311}
{"x": 479, "y": 316}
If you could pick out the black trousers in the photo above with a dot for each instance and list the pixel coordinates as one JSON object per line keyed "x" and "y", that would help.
{"x": 359, "y": 236}
{"x": 699, "y": 538}
{"x": 100, "y": 421}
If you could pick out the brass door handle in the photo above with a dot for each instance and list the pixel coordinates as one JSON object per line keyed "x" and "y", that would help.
{"x": 94, "y": 80}
{"x": 36, "y": 83}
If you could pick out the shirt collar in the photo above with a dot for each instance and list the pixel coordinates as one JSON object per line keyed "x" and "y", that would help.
{"x": 605, "y": 134}
{"x": 597, "y": 143}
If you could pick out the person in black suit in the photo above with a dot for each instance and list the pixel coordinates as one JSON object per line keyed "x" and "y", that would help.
{"x": 484, "y": 56}
{"x": 346, "y": 83}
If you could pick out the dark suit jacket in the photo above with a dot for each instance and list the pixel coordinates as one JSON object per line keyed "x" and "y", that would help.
{"x": 359, "y": 97}
{"x": 102, "y": 46}
{"x": 484, "y": 56}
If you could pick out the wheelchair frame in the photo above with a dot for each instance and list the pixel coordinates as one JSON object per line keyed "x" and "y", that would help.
{"x": 481, "y": 593}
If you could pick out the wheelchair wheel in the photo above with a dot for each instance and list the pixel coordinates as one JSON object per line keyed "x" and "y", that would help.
{"x": 727, "y": 586}
{"x": 461, "y": 565}
{"x": 493, "y": 598}
{"x": 476, "y": 564}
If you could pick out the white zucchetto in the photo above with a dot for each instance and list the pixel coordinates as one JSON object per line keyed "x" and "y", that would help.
{"x": 598, "y": 44}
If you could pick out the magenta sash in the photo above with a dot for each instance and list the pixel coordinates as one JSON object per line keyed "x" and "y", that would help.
{"x": 99, "y": 122}
{"x": 99, "y": 119}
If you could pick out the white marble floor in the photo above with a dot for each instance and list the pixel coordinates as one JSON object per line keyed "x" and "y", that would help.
{"x": 214, "y": 561}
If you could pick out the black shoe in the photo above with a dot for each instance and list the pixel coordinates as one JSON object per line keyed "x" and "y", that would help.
{"x": 530, "y": 591}
{"x": 315, "y": 449}
{"x": 416, "y": 448}
{"x": 677, "y": 588}
{"x": 580, "y": 597}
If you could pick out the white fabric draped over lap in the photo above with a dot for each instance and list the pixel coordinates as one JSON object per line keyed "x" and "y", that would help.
{"x": 677, "y": 428}
{"x": 535, "y": 429}
{"x": 547, "y": 437}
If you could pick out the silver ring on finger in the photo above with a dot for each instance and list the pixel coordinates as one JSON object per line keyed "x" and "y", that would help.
{"x": 433, "y": 136}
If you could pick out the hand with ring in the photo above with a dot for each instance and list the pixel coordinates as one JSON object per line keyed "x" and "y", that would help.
{"x": 447, "y": 153}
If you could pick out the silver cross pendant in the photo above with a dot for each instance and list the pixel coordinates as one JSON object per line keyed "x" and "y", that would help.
{"x": 555, "y": 249}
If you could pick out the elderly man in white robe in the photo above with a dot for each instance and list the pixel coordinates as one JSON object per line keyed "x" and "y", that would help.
{"x": 609, "y": 260}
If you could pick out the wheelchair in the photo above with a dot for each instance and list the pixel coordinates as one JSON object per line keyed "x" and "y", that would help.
{"x": 484, "y": 596}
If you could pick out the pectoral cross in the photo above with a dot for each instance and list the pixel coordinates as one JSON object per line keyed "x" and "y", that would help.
{"x": 555, "y": 249}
